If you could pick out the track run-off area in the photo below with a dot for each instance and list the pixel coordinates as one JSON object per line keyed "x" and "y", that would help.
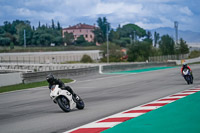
{"x": 32, "y": 110}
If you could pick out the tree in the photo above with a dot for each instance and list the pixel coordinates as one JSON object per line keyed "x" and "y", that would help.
{"x": 36, "y": 37}
{"x": 7, "y": 26}
{"x": 156, "y": 38}
{"x": 80, "y": 40}
{"x": 167, "y": 45}
{"x": 42, "y": 35}
{"x": 122, "y": 42}
{"x": 2, "y": 31}
{"x": 100, "y": 33}
{"x": 12, "y": 45}
{"x": 148, "y": 34}
{"x": 46, "y": 39}
{"x": 148, "y": 37}
{"x": 58, "y": 26}
{"x": 39, "y": 25}
{"x": 183, "y": 47}
{"x": 129, "y": 29}
{"x": 114, "y": 52}
{"x": 58, "y": 40}
{"x": 113, "y": 35}
{"x": 68, "y": 38}
{"x": 33, "y": 28}
{"x": 103, "y": 25}
{"x": 139, "y": 51}
{"x": 52, "y": 25}
{"x": 98, "y": 36}
{"x": 4, "y": 41}
{"x": 20, "y": 33}
{"x": 10, "y": 36}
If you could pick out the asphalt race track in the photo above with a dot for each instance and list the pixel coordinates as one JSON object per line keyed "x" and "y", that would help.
{"x": 32, "y": 110}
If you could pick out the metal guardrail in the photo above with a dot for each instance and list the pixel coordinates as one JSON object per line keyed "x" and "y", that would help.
{"x": 122, "y": 67}
{"x": 72, "y": 73}
{"x": 168, "y": 57}
{"x": 41, "y": 67}
{"x": 179, "y": 62}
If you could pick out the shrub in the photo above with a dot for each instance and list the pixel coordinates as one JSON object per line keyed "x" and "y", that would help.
{"x": 194, "y": 54}
{"x": 12, "y": 46}
{"x": 86, "y": 59}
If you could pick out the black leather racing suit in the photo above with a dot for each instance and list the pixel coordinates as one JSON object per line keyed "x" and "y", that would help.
{"x": 61, "y": 85}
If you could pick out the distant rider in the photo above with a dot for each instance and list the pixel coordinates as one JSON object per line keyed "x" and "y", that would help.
{"x": 185, "y": 66}
{"x": 54, "y": 81}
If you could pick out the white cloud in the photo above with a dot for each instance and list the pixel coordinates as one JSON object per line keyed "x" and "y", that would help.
{"x": 108, "y": 8}
{"x": 155, "y": 1}
{"x": 24, "y": 12}
{"x": 146, "y": 13}
{"x": 186, "y": 10}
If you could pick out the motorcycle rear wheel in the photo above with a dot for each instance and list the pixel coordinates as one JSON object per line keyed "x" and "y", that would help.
{"x": 80, "y": 104}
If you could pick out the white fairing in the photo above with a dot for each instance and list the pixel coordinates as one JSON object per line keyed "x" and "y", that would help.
{"x": 186, "y": 72}
{"x": 58, "y": 92}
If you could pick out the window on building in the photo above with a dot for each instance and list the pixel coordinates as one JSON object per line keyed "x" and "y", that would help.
{"x": 80, "y": 30}
{"x": 86, "y": 36}
{"x": 90, "y": 36}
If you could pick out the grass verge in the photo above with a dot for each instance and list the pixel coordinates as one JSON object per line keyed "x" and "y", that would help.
{"x": 27, "y": 86}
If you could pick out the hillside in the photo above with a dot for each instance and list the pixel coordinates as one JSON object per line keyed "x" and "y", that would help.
{"x": 188, "y": 36}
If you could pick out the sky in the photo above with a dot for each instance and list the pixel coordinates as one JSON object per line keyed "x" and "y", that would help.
{"x": 148, "y": 14}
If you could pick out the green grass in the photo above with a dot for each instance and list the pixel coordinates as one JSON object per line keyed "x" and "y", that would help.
{"x": 27, "y": 86}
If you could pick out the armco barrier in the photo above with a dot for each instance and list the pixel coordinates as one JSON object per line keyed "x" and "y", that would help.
{"x": 122, "y": 67}
{"x": 72, "y": 73}
{"x": 69, "y": 73}
{"x": 10, "y": 79}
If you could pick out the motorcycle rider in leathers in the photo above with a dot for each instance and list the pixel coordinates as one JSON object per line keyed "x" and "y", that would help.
{"x": 185, "y": 66}
{"x": 54, "y": 81}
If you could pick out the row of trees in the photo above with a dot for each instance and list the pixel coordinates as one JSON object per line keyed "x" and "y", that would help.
{"x": 139, "y": 43}
{"x": 13, "y": 33}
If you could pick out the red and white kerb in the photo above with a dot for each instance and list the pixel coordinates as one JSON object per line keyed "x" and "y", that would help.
{"x": 111, "y": 121}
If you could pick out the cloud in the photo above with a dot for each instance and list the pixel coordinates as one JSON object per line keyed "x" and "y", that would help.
{"x": 117, "y": 7}
{"x": 146, "y": 13}
{"x": 24, "y": 12}
{"x": 186, "y": 10}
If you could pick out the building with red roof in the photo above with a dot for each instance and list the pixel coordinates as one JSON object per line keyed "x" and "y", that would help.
{"x": 81, "y": 29}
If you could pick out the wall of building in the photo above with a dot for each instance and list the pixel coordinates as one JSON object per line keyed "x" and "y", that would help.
{"x": 79, "y": 30}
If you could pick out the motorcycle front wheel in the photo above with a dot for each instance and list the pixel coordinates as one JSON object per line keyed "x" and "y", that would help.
{"x": 63, "y": 103}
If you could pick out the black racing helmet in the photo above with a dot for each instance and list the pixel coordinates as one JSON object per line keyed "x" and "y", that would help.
{"x": 184, "y": 64}
{"x": 50, "y": 78}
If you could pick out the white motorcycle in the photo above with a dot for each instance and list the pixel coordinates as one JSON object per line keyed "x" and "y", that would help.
{"x": 65, "y": 100}
{"x": 187, "y": 75}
